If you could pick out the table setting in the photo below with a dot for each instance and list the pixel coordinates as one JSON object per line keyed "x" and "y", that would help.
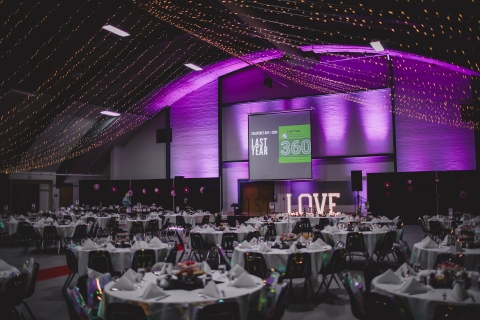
{"x": 213, "y": 235}
{"x": 6, "y": 272}
{"x": 179, "y": 292}
{"x": 418, "y": 291}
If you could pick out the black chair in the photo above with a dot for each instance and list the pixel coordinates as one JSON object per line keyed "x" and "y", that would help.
{"x": 254, "y": 263}
{"x": 354, "y": 300}
{"x": 100, "y": 261}
{"x": 45, "y": 215}
{"x": 30, "y": 287}
{"x": 337, "y": 264}
{"x": 172, "y": 255}
{"x": 72, "y": 265}
{"x": 198, "y": 246}
{"x": 227, "y": 241}
{"x": 124, "y": 311}
{"x": 31, "y": 236}
{"x": 223, "y": 258}
{"x": 143, "y": 258}
{"x": 67, "y": 217}
{"x": 79, "y": 234}
{"x": 384, "y": 246}
{"x": 454, "y": 312}
{"x": 22, "y": 233}
{"x": 136, "y": 228}
{"x": 252, "y": 234}
{"x": 422, "y": 224}
{"x": 91, "y": 219}
{"x": 379, "y": 307}
{"x": 50, "y": 235}
{"x": 323, "y": 222}
{"x": 166, "y": 223}
{"x": 299, "y": 267}
{"x": 205, "y": 220}
{"x": 271, "y": 232}
{"x": 182, "y": 247}
{"x": 449, "y": 257}
{"x": 71, "y": 308}
{"x": 152, "y": 227}
{"x": 399, "y": 256}
{"x": 281, "y": 303}
{"x": 219, "y": 311}
{"x": 93, "y": 231}
{"x": 437, "y": 230}
{"x": 455, "y": 224}
{"x": 303, "y": 226}
{"x": 369, "y": 273}
{"x": 13, "y": 293}
{"x": 180, "y": 221}
{"x": 356, "y": 246}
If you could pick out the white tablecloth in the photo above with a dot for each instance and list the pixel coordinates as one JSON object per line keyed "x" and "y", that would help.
{"x": 102, "y": 221}
{"x": 121, "y": 258}
{"x": 62, "y": 231}
{"x": 370, "y": 238}
{"x": 182, "y": 304}
{"x": 422, "y": 306}
{"x": 427, "y": 257}
{"x": 277, "y": 259}
{"x": 215, "y": 237}
{"x": 5, "y": 274}
{"x": 190, "y": 219}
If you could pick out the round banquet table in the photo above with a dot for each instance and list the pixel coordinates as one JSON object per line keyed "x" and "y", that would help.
{"x": 121, "y": 257}
{"x": 427, "y": 256}
{"x": 5, "y": 274}
{"x": 192, "y": 219}
{"x": 102, "y": 221}
{"x": 280, "y": 227}
{"x": 277, "y": 258}
{"x": 62, "y": 230}
{"x": 421, "y": 306}
{"x": 370, "y": 238}
{"x": 183, "y": 304}
{"x": 215, "y": 237}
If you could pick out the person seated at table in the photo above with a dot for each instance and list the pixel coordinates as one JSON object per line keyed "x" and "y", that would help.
{"x": 185, "y": 206}
{"x": 126, "y": 202}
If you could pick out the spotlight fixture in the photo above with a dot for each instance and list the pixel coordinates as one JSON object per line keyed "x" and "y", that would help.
{"x": 193, "y": 66}
{"x": 116, "y": 30}
{"x": 267, "y": 82}
{"x": 110, "y": 113}
{"x": 377, "y": 46}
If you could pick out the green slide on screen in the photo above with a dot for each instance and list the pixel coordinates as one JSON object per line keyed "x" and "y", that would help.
{"x": 294, "y": 144}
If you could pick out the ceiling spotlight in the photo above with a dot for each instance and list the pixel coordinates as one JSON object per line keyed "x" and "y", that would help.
{"x": 193, "y": 66}
{"x": 115, "y": 30}
{"x": 377, "y": 46}
{"x": 110, "y": 113}
{"x": 267, "y": 82}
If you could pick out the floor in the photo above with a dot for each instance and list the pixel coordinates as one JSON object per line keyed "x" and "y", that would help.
{"x": 47, "y": 303}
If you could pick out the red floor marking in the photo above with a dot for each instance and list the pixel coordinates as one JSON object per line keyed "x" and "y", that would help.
{"x": 50, "y": 273}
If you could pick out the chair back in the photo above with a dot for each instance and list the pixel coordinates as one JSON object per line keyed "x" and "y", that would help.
{"x": 379, "y": 307}
{"x": 298, "y": 265}
{"x": 152, "y": 226}
{"x": 399, "y": 256}
{"x": 165, "y": 223}
{"x": 271, "y": 231}
{"x": 67, "y": 217}
{"x": 281, "y": 303}
{"x": 180, "y": 239}
{"x": 355, "y": 242}
{"x": 304, "y": 225}
{"x": 100, "y": 261}
{"x": 22, "y": 227}
{"x": 355, "y": 300}
{"x": 454, "y": 312}
{"x": 337, "y": 262}
{"x": 91, "y": 219}
{"x": 30, "y": 285}
{"x": 50, "y": 233}
{"x": 227, "y": 240}
{"x": 369, "y": 273}
{"x": 255, "y": 264}
{"x": 137, "y": 227}
{"x": 386, "y": 243}
{"x": 124, "y": 311}
{"x": 323, "y": 222}
{"x": 196, "y": 241}
{"x": 253, "y": 234}
{"x": 112, "y": 223}
{"x": 45, "y": 215}
{"x": 80, "y": 231}
{"x": 224, "y": 258}
{"x": 180, "y": 221}
{"x": 219, "y": 311}
{"x": 143, "y": 258}
{"x": 72, "y": 262}
{"x": 172, "y": 255}
{"x": 14, "y": 290}
{"x": 205, "y": 220}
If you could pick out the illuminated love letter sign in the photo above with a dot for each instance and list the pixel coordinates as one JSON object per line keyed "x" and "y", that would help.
{"x": 331, "y": 203}
{"x": 300, "y": 198}
{"x": 289, "y": 203}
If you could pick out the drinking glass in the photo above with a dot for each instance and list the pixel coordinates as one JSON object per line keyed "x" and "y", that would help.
{"x": 141, "y": 271}
{"x": 221, "y": 269}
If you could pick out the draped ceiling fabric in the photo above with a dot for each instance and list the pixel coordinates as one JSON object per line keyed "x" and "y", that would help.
{"x": 60, "y": 68}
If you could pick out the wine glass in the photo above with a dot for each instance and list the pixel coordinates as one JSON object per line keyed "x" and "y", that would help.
{"x": 141, "y": 271}
{"x": 221, "y": 269}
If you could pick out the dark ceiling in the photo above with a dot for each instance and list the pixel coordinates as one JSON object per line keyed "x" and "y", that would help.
{"x": 59, "y": 68}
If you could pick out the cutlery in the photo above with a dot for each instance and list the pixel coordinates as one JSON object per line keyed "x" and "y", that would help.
{"x": 203, "y": 296}
{"x": 473, "y": 299}
{"x": 115, "y": 289}
{"x": 223, "y": 293}
{"x": 444, "y": 296}
{"x": 158, "y": 299}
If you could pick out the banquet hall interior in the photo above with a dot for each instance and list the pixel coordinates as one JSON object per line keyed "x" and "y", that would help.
{"x": 259, "y": 159}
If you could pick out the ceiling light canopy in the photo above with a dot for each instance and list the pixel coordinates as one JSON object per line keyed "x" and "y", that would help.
{"x": 193, "y": 66}
{"x": 377, "y": 46}
{"x": 115, "y": 30}
{"x": 110, "y": 113}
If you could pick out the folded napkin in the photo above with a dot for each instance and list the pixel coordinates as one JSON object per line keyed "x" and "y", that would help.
{"x": 110, "y": 247}
{"x": 251, "y": 220}
{"x": 242, "y": 229}
{"x": 89, "y": 245}
{"x": 334, "y": 230}
{"x": 317, "y": 245}
{"x": 92, "y": 274}
{"x": 196, "y": 214}
{"x": 124, "y": 284}
{"x": 345, "y": 219}
{"x": 72, "y": 224}
{"x": 293, "y": 248}
{"x": 269, "y": 220}
{"x": 458, "y": 292}
{"x": 153, "y": 291}
{"x": 12, "y": 220}
{"x": 39, "y": 223}
{"x": 208, "y": 229}
{"x": 49, "y": 219}
{"x": 211, "y": 290}
{"x": 327, "y": 228}
{"x": 156, "y": 243}
{"x": 375, "y": 220}
{"x": 253, "y": 240}
{"x": 243, "y": 281}
{"x": 355, "y": 229}
{"x": 205, "y": 267}
{"x": 80, "y": 222}
{"x": 236, "y": 271}
{"x": 197, "y": 228}
{"x": 476, "y": 219}
{"x": 427, "y": 243}
{"x": 4, "y": 266}
{"x": 377, "y": 230}
{"x": 404, "y": 270}
{"x": 21, "y": 216}
{"x": 385, "y": 228}
{"x": 434, "y": 218}
{"x": 246, "y": 245}
{"x": 385, "y": 219}
{"x": 264, "y": 248}
{"x": 132, "y": 276}
{"x": 389, "y": 277}
{"x": 250, "y": 228}
{"x": 413, "y": 286}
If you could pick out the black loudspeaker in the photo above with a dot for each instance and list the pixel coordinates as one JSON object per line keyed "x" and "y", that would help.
{"x": 178, "y": 181}
{"x": 356, "y": 179}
